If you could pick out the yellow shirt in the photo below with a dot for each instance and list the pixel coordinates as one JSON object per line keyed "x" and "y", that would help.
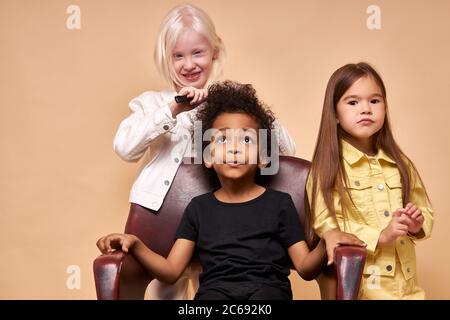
{"x": 376, "y": 191}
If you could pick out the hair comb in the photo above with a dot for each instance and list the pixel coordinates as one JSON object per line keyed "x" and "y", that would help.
{"x": 182, "y": 99}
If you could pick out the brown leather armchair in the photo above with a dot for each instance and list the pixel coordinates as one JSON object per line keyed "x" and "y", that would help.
{"x": 120, "y": 276}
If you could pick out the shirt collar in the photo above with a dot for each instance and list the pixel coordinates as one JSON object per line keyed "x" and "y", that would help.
{"x": 352, "y": 155}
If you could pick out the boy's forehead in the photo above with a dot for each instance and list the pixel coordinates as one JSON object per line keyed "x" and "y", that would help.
{"x": 238, "y": 120}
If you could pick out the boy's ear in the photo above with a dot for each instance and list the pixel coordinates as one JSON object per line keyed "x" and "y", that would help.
{"x": 208, "y": 164}
{"x": 263, "y": 162}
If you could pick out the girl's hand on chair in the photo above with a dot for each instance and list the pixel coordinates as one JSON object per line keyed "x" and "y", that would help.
{"x": 116, "y": 241}
{"x": 336, "y": 238}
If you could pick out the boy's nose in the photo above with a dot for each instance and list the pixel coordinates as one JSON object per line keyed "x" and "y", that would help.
{"x": 234, "y": 151}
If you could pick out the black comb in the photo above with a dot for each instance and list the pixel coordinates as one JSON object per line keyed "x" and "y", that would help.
{"x": 182, "y": 99}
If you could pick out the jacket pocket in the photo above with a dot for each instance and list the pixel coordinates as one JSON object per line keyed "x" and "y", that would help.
{"x": 360, "y": 192}
{"x": 395, "y": 191}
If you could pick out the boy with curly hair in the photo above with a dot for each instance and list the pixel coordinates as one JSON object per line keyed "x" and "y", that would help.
{"x": 246, "y": 236}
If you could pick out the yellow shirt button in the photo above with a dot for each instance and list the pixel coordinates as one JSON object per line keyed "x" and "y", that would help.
{"x": 389, "y": 268}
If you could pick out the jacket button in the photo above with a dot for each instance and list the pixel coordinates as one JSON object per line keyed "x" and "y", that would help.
{"x": 357, "y": 183}
{"x": 389, "y": 268}
{"x": 185, "y": 136}
{"x": 165, "y": 127}
{"x": 380, "y": 186}
{"x": 177, "y": 160}
{"x": 386, "y": 213}
{"x": 166, "y": 182}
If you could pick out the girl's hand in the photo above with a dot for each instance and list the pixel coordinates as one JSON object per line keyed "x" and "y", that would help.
{"x": 336, "y": 238}
{"x": 116, "y": 241}
{"x": 398, "y": 227}
{"x": 416, "y": 217}
{"x": 197, "y": 95}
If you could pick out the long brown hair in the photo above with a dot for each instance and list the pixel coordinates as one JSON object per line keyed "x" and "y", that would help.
{"x": 327, "y": 170}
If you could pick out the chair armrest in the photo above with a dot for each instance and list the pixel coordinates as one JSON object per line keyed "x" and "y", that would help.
{"x": 349, "y": 262}
{"x": 119, "y": 276}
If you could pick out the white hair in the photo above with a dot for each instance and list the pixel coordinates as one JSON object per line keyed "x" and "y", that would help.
{"x": 183, "y": 17}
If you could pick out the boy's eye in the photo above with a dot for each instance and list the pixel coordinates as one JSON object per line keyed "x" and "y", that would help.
{"x": 353, "y": 102}
{"x": 247, "y": 140}
{"x": 222, "y": 139}
{"x": 178, "y": 56}
{"x": 375, "y": 101}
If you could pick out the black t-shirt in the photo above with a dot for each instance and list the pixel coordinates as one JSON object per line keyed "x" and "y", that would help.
{"x": 243, "y": 242}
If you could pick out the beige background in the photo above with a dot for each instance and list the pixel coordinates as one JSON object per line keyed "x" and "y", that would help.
{"x": 64, "y": 92}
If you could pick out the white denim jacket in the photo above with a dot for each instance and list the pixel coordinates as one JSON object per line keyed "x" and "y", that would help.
{"x": 150, "y": 133}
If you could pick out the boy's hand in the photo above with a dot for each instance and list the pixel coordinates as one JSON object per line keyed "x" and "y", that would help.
{"x": 397, "y": 227}
{"x": 116, "y": 241}
{"x": 335, "y": 238}
{"x": 416, "y": 216}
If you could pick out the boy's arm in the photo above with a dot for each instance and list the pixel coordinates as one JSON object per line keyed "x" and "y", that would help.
{"x": 308, "y": 264}
{"x": 168, "y": 269}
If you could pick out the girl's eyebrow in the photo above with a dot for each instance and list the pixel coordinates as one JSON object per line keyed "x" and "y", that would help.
{"x": 353, "y": 96}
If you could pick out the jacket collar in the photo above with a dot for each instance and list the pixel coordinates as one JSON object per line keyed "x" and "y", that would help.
{"x": 352, "y": 155}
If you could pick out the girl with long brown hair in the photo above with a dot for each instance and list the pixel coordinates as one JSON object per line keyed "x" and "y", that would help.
{"x": 361, "y": 182}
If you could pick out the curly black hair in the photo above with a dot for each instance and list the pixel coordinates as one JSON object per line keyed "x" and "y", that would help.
{"x": 234, "y": 97}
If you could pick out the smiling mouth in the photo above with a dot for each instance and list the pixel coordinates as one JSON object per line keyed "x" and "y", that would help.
{"x": 192, "y": 76}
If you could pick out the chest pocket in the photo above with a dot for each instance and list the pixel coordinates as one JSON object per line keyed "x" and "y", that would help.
{"x": 360, "y": 189}
{"x": 395, "y": 191}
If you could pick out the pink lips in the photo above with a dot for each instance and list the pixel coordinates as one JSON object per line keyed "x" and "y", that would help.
{"x": 234, "y": 164}
{"x": 365, "y": 121}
